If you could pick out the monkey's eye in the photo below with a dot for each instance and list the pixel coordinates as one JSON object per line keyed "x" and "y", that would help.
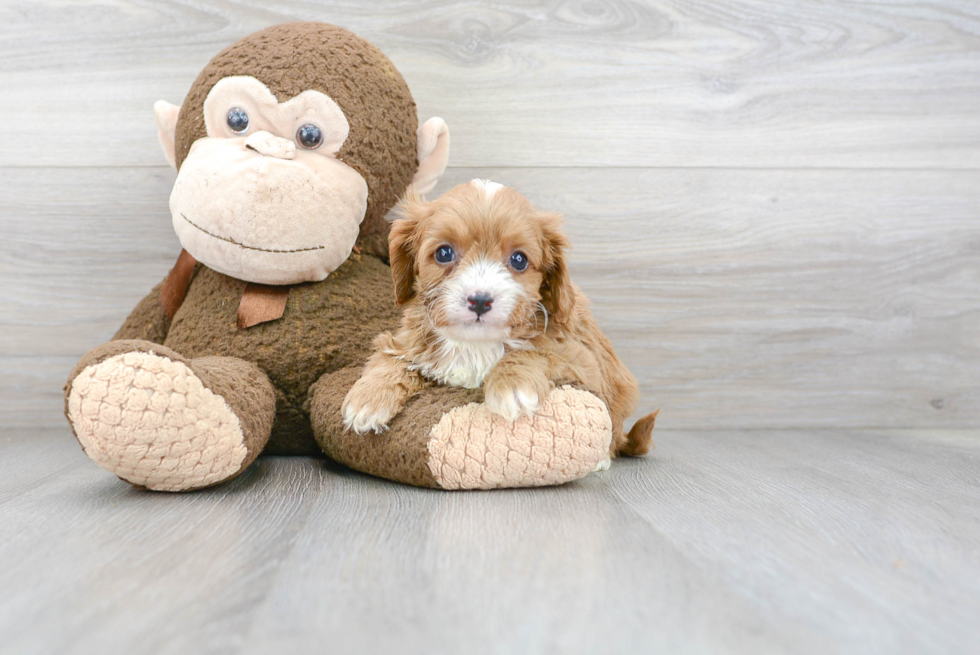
{"x": 309, "y": 136}
{"x": 519, "y": 261}
{"x": 237, "y": 120}
{"x": 445, "y": 254}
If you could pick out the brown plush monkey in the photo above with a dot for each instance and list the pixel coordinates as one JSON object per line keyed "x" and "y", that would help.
{"x": 291, "y": 146}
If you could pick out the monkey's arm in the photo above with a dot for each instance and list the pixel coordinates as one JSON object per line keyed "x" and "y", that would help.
{"x": 148, "y": 321}
{"x": 447, "y": 438}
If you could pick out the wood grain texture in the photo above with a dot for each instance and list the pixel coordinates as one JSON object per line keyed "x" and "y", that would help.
{"x": 775, "y": 541}
{"x": 761, "y": 299}
{"x": 571, "y": 83}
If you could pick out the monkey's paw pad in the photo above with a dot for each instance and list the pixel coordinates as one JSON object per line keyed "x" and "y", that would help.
{"x": 566, "y": 439}
{"x": 151, "y": 421}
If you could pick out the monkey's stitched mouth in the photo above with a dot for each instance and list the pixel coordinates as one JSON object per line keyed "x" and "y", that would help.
{"x": 242, "y": 245}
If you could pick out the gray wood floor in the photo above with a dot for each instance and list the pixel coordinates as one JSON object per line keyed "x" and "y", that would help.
{"x": 775, "y": 208}
{"x": 771, "y": 541}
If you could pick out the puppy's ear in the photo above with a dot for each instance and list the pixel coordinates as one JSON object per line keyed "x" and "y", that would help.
{"x": 403, "y": 244}
{"x": 557, "y": 294}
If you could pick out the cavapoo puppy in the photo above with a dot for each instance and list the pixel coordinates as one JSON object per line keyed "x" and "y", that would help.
{"x": 488, "y": 301}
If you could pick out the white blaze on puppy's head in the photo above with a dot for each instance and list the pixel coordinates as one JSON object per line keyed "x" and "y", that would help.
{"x": 489, "y": 188}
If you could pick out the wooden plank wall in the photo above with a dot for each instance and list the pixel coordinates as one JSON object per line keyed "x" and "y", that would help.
{"x": 775, "y": 206}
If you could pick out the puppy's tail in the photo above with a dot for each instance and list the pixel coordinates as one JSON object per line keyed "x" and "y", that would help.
{"x": 639, "y": 441}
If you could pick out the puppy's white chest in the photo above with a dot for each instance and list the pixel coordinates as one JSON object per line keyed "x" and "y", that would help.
{"x": 464, "y": 363}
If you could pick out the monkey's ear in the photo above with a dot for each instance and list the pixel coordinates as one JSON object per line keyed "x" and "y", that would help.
{"x": 166, "y": 115}
{"x": 403, "y": 243}
{"x": 433, "y": 148}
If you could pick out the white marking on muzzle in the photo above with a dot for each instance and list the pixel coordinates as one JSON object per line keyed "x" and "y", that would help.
{"x": 468, "y": 349}
{"x": 490, "y": 277}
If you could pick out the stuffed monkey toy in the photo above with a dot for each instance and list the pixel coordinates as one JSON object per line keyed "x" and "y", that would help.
{"x": 291, "y": 146}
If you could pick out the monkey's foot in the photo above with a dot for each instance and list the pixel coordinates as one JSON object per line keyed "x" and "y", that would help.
{"x": 151, "y": 420}
{"x": 566, "y": 439}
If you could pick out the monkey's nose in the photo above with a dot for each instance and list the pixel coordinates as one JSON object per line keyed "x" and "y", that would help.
{"x": 480, "y": 303}
{"x": 270, "y": 145}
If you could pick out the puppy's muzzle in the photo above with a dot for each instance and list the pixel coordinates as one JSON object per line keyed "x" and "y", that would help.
{"x": 481, "y": 303}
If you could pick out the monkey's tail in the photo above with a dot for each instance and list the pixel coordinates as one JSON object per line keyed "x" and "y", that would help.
{"x": 639, "y": 441}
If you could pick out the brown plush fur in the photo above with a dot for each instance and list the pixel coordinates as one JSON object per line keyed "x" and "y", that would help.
{"x": 400, "y": 453}
{"x": 326, "y": 326}
{"x": 551, "y": 336}
{"x": 294, "y": 57}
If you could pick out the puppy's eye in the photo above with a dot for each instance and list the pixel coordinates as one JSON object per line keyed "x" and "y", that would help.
{"x": 309, "y": 136}
{"x": 445, "y": 254}
{"x": 237, "y": 120}
{"x": 518, "y": 261}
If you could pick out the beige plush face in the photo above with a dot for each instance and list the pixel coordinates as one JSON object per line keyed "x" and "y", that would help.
{"x": 263, "y": 197}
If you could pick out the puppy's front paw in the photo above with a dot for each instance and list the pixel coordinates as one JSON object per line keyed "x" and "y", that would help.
{"x": 512, "y": 400}
{"x": 368, "y": 408}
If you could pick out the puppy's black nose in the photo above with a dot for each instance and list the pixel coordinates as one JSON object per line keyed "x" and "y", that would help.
{"x": 480, "y": 303}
